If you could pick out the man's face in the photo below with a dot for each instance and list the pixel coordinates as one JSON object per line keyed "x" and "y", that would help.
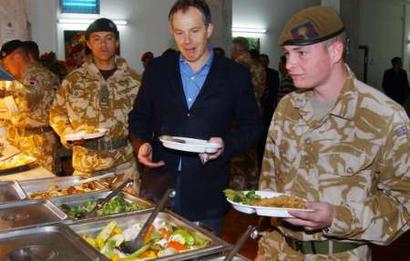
{"x": 191, "y": 35}
{"x": 103, "y": 45}
{"x": 308, "y": 66}
{"x": 10, "y": 64}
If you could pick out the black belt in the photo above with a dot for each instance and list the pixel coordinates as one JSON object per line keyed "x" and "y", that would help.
{"x": 100, "y": 144}
{"x": 320, "y": 247}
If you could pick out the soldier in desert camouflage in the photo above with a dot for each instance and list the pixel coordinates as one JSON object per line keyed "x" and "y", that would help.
{"x": 338, "y": 143}
{"x": 97, "y": 95}
{"x": 245, "y": 168}
{"x": 28, "y": 100}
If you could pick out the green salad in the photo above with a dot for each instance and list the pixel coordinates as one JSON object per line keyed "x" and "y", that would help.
{"x": 246, "y": 198}
{"x": 114, "y": 206}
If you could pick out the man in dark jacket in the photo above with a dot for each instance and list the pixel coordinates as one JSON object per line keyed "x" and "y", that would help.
{"x": 196, "y": 94}
{"x": 395, "y": 82}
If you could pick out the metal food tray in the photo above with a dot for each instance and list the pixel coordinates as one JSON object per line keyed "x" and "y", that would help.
{"x": 23, "y": 214}
{"x": 76, "y": 200}
{"x": 222, "y": 258}
{"x": 51, "y": 243}
{"x": 217, "y": 245}
{"x": 10, "y": 191}
{"x": 43, "y": 184}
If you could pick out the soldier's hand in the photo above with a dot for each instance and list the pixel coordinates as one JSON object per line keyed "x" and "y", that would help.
{"x": 320, "y": 218}
{"x": 76, "y": 142}
{"x": 145, "y": 156}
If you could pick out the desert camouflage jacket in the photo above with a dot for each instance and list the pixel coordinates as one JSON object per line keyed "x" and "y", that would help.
{"x": 86, "y": 100}
{"x": 356, "y": 158}
{"x": 33, "y": 96}
{"x": 258, "y": 74}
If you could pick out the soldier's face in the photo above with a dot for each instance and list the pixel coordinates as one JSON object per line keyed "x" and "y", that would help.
{"x": 103, "y": 45}
{"x": 191, "y": 35}
{"x": 10, "y": 64}
{"x": 308, "y": 66}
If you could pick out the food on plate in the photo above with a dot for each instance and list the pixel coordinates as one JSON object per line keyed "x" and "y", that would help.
{"x": 161, "y": 240}
{"x": 114, "y": 206}
{"x": 55, "y": 191}
{"x": 253, "y": 199}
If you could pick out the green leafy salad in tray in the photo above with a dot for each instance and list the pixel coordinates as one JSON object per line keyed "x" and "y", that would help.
{"x": 114, "y": 206}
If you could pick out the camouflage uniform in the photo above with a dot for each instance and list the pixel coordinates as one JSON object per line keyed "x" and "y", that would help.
{"x": 356, "y": 158}
{"x": 258, "y": 74}
{"x": 244, "y": 168}
{"x": 87, "y": 100}
{"x": 29, "y": 129}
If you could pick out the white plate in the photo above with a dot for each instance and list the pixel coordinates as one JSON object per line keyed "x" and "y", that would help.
{"x": 265, "y": 211}
{"x": 189, "y": 144}
{"x": 82, "y": 135}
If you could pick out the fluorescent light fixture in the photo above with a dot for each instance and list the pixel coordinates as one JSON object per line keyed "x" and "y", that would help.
{"x": 248, "y": 30}
{"x": 87, "y": 21}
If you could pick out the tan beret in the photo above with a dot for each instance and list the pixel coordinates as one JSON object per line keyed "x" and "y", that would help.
{"x": 311, "y": 25}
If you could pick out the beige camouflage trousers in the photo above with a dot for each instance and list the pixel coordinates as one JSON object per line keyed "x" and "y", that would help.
{"x": 273, "y": 247}
{"x": 122, "y": 172}
{"x": 42, "y": 146}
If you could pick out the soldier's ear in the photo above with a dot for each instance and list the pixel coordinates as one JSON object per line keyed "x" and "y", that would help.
{"x": 88, "y": 45}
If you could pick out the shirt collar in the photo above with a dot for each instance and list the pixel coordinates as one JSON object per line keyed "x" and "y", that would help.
{"x": 207, "y": 64}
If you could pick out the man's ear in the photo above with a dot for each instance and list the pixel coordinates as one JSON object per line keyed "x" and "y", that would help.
{"x": 209, "y": 30}
{"x": 336, "y": 50}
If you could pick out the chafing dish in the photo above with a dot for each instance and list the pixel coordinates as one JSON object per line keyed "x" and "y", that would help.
{"x": 51, "y": 243}
{"x": 125, "y": 221}
{"x": 52, "y": 184}
{"x": 26, "y": 213}
{"x": 10, "y": 191}
{"x": 222, "y": 258}
{"x": 77, "y": 200}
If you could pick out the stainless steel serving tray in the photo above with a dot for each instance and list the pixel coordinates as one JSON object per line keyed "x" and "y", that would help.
{"x": 23, "y": 214}
{"x": 46, "y": 243}
{"x": 44, "y": 184}
{"x": 10, "y": 191}
{"x": 76, "y": 200}
{"x": 92, "y": 228}
{"x": 221, "y": 258}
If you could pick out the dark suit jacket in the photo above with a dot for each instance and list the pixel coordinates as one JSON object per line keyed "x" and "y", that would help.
{"x": 225, "y": 107}
{"x": 396, "y": 85}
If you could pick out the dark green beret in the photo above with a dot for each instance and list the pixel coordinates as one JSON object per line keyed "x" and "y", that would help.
{"x": 101, "y": 25}
{"x": 311, "y": 25}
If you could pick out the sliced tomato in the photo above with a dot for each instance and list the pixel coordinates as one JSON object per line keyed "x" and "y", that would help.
{"x": 177, "y": 246}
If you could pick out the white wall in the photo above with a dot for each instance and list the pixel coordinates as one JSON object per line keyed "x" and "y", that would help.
{"x": 147, "y": 28}
{"x": 382, "y": 29}
{"x": 269, "y": 14}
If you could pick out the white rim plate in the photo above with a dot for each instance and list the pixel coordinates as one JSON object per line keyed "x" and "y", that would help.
{"x": 189, "y": 144}
{"x": 266, "y": 211}
{"x": 81, "y": 135}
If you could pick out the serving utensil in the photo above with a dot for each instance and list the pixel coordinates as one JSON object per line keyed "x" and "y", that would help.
{"x": 104, "y": 201}
{"x": 133, "y": 245}
{"x": 250, "y": 231}
{"x": 88, "y": 180}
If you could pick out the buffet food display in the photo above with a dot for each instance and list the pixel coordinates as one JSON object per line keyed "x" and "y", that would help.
{"x": 58, "y": 187}
{"x": 79, "y": 205}
{"x": 43, "y": 219}
{"x": 170, "y": 237}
